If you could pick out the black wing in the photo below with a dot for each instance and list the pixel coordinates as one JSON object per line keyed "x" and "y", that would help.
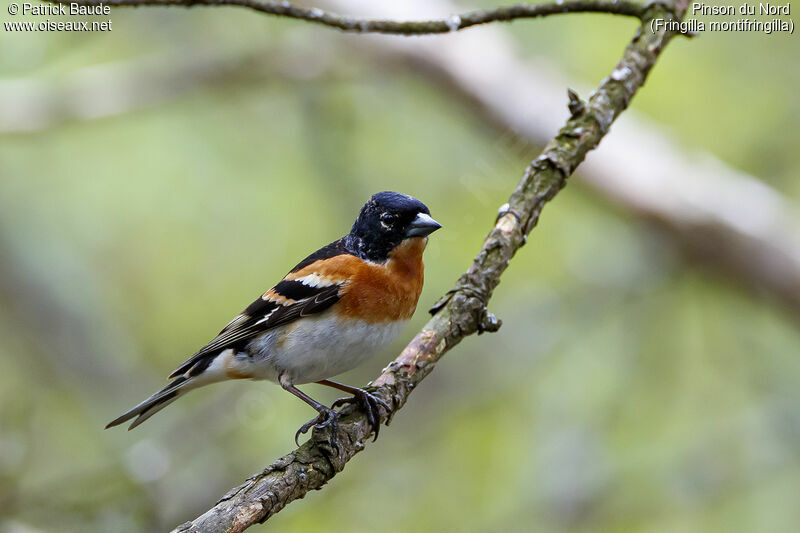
{"x": 290, "y": 300}
{"x": 263, "y": 315}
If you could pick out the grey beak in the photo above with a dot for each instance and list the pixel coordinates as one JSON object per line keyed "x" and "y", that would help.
{"x": 422, "y": 226}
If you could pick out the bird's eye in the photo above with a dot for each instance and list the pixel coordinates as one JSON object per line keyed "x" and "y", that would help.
{"x": 387, "y": 218}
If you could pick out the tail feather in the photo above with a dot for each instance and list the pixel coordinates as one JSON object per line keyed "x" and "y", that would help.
{"x": 162, "y": 403}
{"x": 212, "y": 371}
{"x": 153, "y": 404}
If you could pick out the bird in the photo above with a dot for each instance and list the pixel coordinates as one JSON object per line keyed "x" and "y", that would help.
{"x": 338, "y": 306}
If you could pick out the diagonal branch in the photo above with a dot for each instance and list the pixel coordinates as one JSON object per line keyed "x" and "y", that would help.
{"x": 462, "y": 311}
{"x": 360, "y": 25}
{"x": 730, "y": 222}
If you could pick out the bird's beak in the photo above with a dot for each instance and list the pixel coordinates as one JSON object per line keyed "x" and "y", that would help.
{"x": 422, "y": 226}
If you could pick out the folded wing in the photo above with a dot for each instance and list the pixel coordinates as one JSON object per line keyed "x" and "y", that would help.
{"x": 282, "y": 304}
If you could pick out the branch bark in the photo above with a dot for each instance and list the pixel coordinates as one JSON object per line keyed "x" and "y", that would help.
{"x": 422, "y": 27}
{"x": 462, "y": 311}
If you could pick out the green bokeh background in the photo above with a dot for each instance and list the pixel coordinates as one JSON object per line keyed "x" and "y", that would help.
{"x": 628, "y": 390}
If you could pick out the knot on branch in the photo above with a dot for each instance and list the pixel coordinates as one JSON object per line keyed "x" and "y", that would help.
{"x": 488, "y": 322}
{"x": 465, "y": 287}
{"x": 556, "y": 158}
{"x": 506, "y": 209}
{"x": 460, "y": 295}
{"x": 576, "y": 106}
{"x": 676, "y": 8}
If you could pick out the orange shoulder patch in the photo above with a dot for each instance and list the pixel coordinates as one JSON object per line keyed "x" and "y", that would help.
{"x": 374, "y": 293}
{"x": 387, "y": 292}
{"x": 272, "y": 296}
{"x": 326, "y": 272}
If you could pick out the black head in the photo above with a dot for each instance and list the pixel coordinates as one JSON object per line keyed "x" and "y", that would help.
{"x": 385, "y": 221}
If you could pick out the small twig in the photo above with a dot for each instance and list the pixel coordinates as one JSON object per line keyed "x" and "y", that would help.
{"x": 576, "y": 106}
{"x": 356, "y": 25}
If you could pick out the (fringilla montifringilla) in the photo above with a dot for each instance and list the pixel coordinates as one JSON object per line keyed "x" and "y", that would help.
{"x": 338, "y": 306}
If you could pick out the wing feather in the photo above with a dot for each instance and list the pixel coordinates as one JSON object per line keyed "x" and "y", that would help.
{"x": 285, "y": 302}
{"x": 261, "y": 316}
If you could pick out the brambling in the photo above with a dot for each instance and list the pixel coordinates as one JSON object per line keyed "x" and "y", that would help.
{"x": 334, "y": 309}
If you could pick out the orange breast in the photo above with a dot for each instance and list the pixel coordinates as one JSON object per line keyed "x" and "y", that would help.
{"x": 378, "y": 293}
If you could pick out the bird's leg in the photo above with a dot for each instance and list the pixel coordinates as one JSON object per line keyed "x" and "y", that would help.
{"x": 369, "y": 403}
{"x": 327, "y": 416}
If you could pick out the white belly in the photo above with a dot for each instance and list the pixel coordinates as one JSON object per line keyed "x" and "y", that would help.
{"x": 315, "y": 348}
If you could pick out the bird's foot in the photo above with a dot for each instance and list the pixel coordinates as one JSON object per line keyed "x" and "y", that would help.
{"x": 327, "y": 417}
{"x": 368, "y": 403}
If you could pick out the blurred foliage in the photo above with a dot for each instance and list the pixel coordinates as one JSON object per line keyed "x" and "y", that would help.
{"x": 628, "y": 390}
